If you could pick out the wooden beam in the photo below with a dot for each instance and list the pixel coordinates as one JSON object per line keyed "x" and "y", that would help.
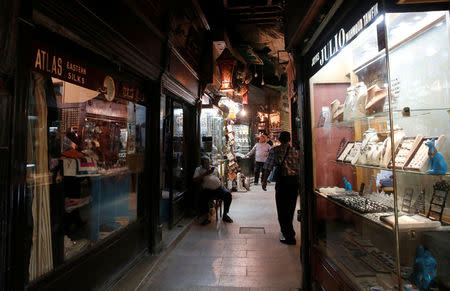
{"x": 306, "y": 22}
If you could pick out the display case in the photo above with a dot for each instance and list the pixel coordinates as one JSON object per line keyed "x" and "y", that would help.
{"x": 212, "y": 128}
{"x": 380, "y": 121}
{"x": 242, "y": 145}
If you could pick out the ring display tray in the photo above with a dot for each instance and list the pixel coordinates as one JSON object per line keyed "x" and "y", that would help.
{"x": 419, "y": 156}
{"x": 405, "y": 150}
{"x": 353, "y": 152}
{"x": 346, "y": 150}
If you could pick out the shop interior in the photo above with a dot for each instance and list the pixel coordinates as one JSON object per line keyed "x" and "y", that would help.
{"x": 367, "y": 142}
{"x": 85, "y": 156}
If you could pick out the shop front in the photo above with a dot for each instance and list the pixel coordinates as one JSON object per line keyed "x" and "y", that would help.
{"x": 86, "y": 141}
{"x": 79, "y": 203}
{"x": 376, "y": 105}
{"x": 179, "y": 157}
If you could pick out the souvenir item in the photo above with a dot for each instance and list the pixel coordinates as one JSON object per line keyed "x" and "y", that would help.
{"x": 419, "y": 204}
{"x": 374, "y": 155}
{"x": 348, "y": 186}
{"x": 74, "y": 154}
{"x": 407, "y": 199}
{"x": 360, "y": 204}
{"x": 354, "y": 106}
{"x": 324, "y": 119}
{"x": 345, "y": 152}
{"x": 337, "y": 111}
{"x": 341, "y": 147}
{"x": 375, "y": 99}
{"x": 437, "y": 204}
{"x": 425, "y": 269}
{"x": 406, "y": 222}
{"x": 370, "y": 137}
{"x": 349, "y": 102}
{"x": 70, "y": 167}
{"x": 354, "y": 152}
{"x": 438, "y": 166}
{"x": 420, "y": 160}
{"x": 398, "y": 136}
{"x": 86, "y": 166}
{"x": 361, "y": 100}
{"x": 405, "y": 150}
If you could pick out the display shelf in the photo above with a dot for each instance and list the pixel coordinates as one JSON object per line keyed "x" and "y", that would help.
{"x": 384, "y": 116}
{"x": 371, "y": 217}
{"x": 390, "y": 169}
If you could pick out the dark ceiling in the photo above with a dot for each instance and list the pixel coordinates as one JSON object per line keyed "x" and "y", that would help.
{"x": 265, "y": 27}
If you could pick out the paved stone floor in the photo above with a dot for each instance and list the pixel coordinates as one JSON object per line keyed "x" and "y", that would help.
{"x": 219, "y": 257}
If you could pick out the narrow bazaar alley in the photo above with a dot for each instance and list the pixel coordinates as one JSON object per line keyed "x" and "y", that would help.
{"x": 244, "y": 255}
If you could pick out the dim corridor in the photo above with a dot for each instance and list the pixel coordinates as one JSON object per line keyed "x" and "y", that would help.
{"x": 223, "y": 256}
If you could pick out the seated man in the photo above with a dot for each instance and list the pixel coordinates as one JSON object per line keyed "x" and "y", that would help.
{"x": 212, "y": 188}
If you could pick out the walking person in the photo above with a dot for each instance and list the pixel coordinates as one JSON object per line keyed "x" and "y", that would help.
{"x": 212, "y": 187}
{"x": 261, "y": 151}
{"x": 285, "y": 158}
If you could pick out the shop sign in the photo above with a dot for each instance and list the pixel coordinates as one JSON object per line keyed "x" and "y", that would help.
{"x": 58, "y": 64}
{"x": 342, "y": 37}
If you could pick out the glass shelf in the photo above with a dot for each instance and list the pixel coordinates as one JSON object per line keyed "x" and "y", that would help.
{"x": 390, "y": 169}
{"x": 385, "y": 116}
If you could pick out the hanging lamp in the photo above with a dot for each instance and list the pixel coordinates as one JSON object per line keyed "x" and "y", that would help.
{"x": 226, "y": 63}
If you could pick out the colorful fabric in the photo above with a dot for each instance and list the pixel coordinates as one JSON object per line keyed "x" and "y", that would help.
{"x": 86, "y": 166}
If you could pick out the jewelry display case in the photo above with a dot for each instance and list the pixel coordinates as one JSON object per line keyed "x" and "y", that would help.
{"x": 242, "y": 139}
{"x": 384, "y": 86}
{"x": 211, "y": 127}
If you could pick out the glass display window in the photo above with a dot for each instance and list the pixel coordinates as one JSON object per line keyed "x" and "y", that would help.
{"x": 242, "y": 139}
{"x": 419, "y": 71}
{"x": 85, "y": 156}
{"x": 212, "y": 128}
{"x": 380, "y": 116}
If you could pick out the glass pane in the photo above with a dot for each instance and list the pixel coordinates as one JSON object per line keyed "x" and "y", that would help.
{"x": 211, "y": 128}
{"x": 419, "y": 73}
{"x": 352, "y": 174}
{"x": 178, "y": 172}
{"x": 84, "y": 158}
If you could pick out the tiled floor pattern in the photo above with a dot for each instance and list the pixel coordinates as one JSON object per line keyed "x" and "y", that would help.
{"x": 218, "y": 257}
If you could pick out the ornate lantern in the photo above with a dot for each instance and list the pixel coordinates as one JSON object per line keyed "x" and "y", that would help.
{"x": 245, "y": 98}
{"x": 226, "y": 63}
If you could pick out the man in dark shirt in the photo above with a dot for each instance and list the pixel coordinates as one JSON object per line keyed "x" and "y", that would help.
{"x": 286, "y": 188}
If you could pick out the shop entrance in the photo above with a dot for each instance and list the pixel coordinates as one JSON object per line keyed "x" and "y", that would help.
{"x": 177, "y": 162}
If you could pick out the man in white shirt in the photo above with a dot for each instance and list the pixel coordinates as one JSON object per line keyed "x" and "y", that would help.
{"x": 212, "y": 188}
{"x": 261, "y": 151}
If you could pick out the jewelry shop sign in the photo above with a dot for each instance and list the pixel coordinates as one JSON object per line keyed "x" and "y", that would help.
{"x": 342, "y": 37}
